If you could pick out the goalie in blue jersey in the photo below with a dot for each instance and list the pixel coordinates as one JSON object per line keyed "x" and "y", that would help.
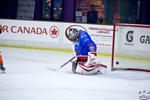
{"x": 85, "y": 51}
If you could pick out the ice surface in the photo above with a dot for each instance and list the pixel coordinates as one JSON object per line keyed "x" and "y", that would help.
{"x": 27, "y": 78}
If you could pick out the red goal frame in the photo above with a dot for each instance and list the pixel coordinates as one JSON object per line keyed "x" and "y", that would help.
{"x": 113, "y": 46}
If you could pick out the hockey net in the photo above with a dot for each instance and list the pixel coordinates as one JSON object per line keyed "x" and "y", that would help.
{"x": 131, "y": 47}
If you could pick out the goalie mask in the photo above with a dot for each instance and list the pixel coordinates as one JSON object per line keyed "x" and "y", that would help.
{"x": 73, "y": 34}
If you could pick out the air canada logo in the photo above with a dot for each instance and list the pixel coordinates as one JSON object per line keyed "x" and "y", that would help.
{"x": 54, "y": 31}
{"x": 129, "y": 36}
{"x": 71, "y": 30}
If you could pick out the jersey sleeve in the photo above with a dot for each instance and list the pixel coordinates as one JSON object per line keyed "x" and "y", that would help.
{"x": 76, "y": 48}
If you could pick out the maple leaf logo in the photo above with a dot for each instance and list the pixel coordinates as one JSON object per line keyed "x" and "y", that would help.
{"x": 54, "y": 31}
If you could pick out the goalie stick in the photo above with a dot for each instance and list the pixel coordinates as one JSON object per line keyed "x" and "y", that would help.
{"x": 55, "y": 69}
{"x": 67, "y": 62}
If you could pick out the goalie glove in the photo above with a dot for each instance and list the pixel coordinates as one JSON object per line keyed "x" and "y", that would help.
{"x": 92, "y": 58}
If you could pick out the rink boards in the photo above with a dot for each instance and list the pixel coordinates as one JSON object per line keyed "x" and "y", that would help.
{"x": 43, "y": 34}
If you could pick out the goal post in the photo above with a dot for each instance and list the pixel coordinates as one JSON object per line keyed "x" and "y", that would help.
{"x": 131, "y": 47}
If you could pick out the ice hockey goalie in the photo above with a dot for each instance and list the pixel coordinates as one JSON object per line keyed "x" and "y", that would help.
{"x": 85, "y": 50}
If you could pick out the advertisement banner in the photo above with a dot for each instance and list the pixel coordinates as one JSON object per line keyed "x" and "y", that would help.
{"x": 30, "y": 30}
{"x": 100, "y": 34}
{"x": 53, "y": 31}
{"x": 135, "y": 38}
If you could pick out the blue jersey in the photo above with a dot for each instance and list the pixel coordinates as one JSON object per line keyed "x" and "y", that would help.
{"x": 84, "y": 45}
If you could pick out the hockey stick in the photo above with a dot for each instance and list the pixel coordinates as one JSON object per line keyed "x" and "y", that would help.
{"x": 55, "y": 69}
{"x": 67, "y": 62}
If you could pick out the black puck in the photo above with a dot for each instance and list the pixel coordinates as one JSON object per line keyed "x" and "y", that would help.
{"x": 117, "y": 62}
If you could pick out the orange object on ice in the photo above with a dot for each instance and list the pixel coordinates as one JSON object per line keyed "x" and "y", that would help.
{"x": 1, "y": 60}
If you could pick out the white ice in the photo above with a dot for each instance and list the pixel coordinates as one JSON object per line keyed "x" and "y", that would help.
{"x": 28, "y": 78}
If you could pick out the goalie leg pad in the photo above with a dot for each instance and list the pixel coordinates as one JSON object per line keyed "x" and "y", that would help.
{"x": 89, "y": 70}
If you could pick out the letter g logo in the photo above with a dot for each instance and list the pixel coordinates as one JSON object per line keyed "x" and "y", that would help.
{"x": 129, "y": 36}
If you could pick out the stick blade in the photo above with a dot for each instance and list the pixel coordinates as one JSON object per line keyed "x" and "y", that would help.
{"x": 52, "y": 68}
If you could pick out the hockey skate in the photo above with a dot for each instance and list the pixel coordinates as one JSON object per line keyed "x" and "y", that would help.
{"x": 2, "y": 69}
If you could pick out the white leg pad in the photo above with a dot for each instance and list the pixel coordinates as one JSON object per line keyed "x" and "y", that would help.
{"x": 92, "y": 69}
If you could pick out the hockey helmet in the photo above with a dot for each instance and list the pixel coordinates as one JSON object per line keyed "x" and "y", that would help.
{"x": 73, "y": 34}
